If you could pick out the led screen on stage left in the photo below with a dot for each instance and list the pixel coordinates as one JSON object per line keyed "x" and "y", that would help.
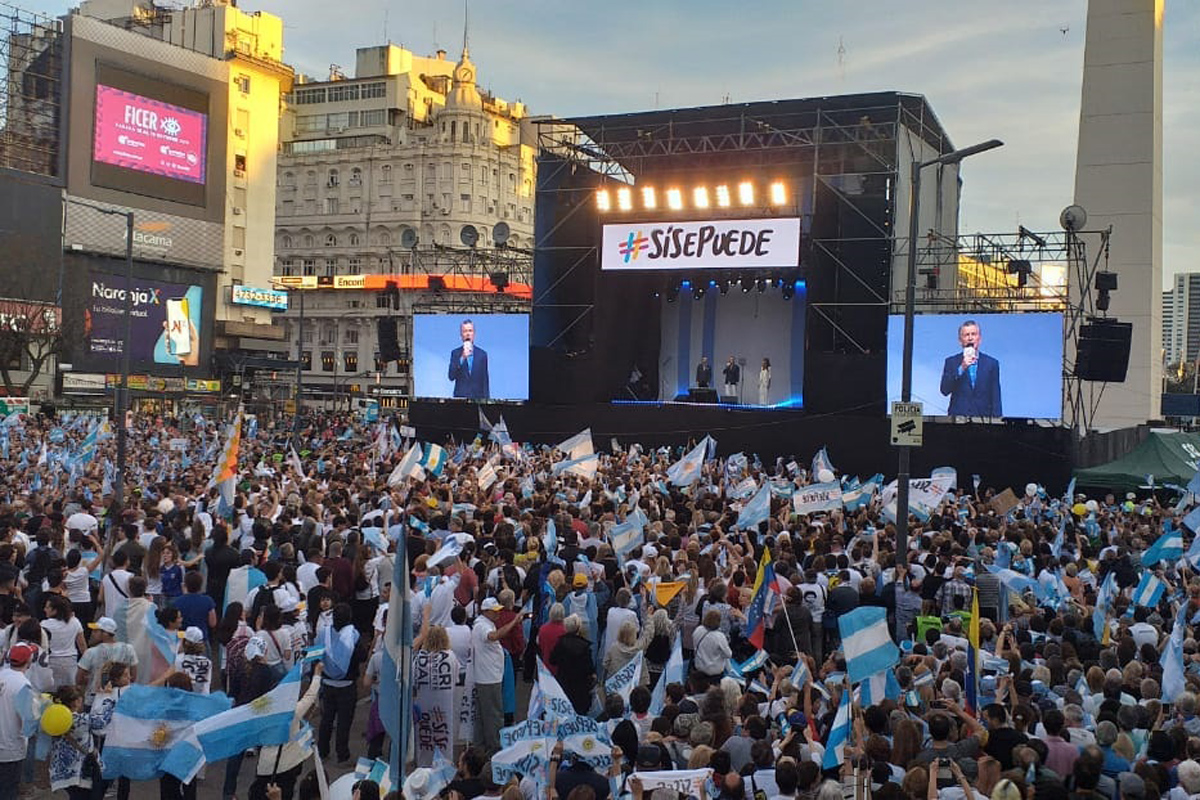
{"x": 471, "y": 356}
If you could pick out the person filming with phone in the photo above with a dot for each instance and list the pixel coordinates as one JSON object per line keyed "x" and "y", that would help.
{"x": 971, "y": 378}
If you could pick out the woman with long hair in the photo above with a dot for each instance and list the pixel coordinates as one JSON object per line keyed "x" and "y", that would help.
{"x": 279, "y": 654}
{"x": 764, "y": 382}
{"x": 366, "y": 592}
{"x": 170, "y": 575}
{"x": 657, "y": 641}
{"x": 77, "y": 580}
{"x": 67, "y": 641}
{"x": 232, "y": 634}
{"x": 153, "y": 568}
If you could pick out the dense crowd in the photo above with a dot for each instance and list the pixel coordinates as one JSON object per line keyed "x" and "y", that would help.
{"x": 573, "y": 624}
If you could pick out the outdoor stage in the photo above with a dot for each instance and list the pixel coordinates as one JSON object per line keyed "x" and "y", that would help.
{"x": 1010, "y": 453}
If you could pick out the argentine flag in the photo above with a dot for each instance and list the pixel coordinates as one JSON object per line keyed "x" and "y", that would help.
{"x": 1149, "y": 591}
{"x": 756, "y": 510}
{"x": 265, "y": 720}
{"x": 673, "y": 672}
{"x": 839, "y": 734}
{"x": 407, "y": 467}
{"x": 686, "y": 470}
{"x": 241, "y": 582}
{"x": 866, "y": 642}
{"x": 1168, "y": 547}
{"x": 434, "y": 460}
{"x": 152, "y": 732}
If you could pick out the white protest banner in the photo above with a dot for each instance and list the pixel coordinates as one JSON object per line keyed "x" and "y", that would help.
{"x": 464, "y": 699}
{"x": 688, "y": 782}
{"x": 526, "y": 731}
{"x": 817, "y": 498}
{"x": 587, "y": 739}
{"x": 178, "y": 445}
{"x": 527, "y": 757}
{"x": 555, "y": 703}
{"x": 434, "y": 676}
{"x": 623, "y": 680}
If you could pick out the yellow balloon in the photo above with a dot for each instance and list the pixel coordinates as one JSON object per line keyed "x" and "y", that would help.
{"x": 57, "y": 719}
{"x": 1079, "y": 509}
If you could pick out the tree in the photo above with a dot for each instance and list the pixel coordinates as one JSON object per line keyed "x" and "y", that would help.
{"x": 30, "y": 332}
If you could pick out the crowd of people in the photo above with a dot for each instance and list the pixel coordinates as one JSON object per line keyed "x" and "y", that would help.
{"x": 628, "y": 600}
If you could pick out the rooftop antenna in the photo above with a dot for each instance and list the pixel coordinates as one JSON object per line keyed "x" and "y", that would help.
{"x": 466, "y": 24}
{"x": 841, "y": 60}
{"x": 386, "y": 40}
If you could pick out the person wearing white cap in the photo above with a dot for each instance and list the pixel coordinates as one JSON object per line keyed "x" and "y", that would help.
{"x": 192, "y": 661}
{"x": 106, "y": 650}
{"x": 489, "y": 673}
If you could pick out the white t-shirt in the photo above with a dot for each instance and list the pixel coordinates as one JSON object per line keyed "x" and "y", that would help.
{"x": 198, "y": 668}
{"x": 306, "y": 576}
{"x": 75, "y": 581}
{"x": 489, "y": 656}
{"x": 113, "y": 597}
{"x": 62, "y": 635}
{"x": 460, "y": 642}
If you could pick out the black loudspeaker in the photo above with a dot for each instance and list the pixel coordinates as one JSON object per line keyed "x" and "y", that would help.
{"x": 389, "y": 346}
{"x": 1103, "y": 351}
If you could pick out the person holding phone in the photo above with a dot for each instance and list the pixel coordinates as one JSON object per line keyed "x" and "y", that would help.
{"x": 971, "y": 379}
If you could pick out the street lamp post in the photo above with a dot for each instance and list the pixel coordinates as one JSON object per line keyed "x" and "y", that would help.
{"x": 910, "y": 287}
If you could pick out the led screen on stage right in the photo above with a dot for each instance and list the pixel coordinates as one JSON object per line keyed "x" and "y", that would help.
{"x": 981, "y": 365}
{"x": 471, "y": 356}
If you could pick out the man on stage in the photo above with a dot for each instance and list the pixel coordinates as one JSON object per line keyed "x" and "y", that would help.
{"x": 703, "y": 373}
{"x": 469, "y": 366}
{"x": 970, "y": 378}
{"x": 733, "y": 376}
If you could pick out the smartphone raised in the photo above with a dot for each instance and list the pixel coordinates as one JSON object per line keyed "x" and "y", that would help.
{"x": 179, "y": 342}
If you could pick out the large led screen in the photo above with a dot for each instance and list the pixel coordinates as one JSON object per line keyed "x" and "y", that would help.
{"x": 166, "y": 324}
{"x": 981, "y": 365}
{"x": 148, "y": 135}
{"x": 471, "y": 357}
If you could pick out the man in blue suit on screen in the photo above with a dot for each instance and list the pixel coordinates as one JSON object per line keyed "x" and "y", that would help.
{"x": 469, "y": 366}
{"x": 971, "y": 378}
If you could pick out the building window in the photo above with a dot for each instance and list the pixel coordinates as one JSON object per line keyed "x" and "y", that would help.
{"x": 350, "y": 335}
{"x": 289, "y": 180}
{"x": 310, "y": 178}
{"x": 309, "y": 241}
{"x": 465, "y": 200}
{"x": 342, "y": 93}
{"x": 308, "y": 96}
{"x": 350, "y": 360}
{"x": 310, "y": 266}
{"x": 372, "y": 116}
{"x": 243, "y": 83}
{"x": 328, "y": 361}
{"x": 287, "y": 208}
{"x": 333, "y": 177}
{"x": 239, "y": 162}
{"x": 286, "y": 242}
{"x": 306, "y": 360}
{"x": 382, "y": 301}
{"x": 386, "y": 174}
{"x": 330, "y": 267}
{"x": 331, "y": 205}
{"x": 380, "y": 365}
{"x": 330, "y": 240}
{"x": 287, "y": 267}
{"x": 385, "y": 238}
{"x": 355, "y": 266}
{"x": 307, "y": 338}
{"x": 356, "y": 176}
{"x": 408, "y": 167}
{"x": 373, "y": 90}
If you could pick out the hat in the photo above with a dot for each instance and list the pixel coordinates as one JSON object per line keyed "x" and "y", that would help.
{"x": 193, "y": 635}
{"x": 490, "y": 604}
{"x": 255, "y": 648}
{"x": 650, "y": 756}
{"x": 1132, "y": 785}
{"x": 416, "y": 785}
{"x": 21, "y": 654}
{"x": 106, "y": 624}
{"x": 580, "y": 581}
{"x": 650, "y": 551}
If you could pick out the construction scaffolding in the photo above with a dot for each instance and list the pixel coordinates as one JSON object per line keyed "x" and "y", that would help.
{"x": 31, "y": 54}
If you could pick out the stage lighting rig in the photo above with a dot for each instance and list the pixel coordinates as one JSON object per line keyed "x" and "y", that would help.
{"x": 675, "y": 199}
{"x": 649, "y": 200}
{"x": 603, "y": 200}
{"x": 1106, "y": 282}
{"x": 722, "y": 196}
{"x": 625, "y": 199}
{"x": 700, "y": 197}
{"x": 746, "y": 193}
{"x": 778, "y": 194}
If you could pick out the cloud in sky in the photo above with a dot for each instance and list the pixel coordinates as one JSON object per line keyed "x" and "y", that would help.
{"x": 1003, "y": 70}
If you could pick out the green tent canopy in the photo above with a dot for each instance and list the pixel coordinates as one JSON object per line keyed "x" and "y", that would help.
{"x": 1169, "y": 457}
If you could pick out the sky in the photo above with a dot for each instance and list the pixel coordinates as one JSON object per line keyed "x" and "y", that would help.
{"x": 1009, "y": 70}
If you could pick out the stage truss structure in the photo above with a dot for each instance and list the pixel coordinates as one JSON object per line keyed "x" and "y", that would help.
{"x": 515, "y": 264}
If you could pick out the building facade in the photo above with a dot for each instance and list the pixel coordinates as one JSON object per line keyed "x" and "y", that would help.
{"x": 404, "y": 171}
{"x": 1181, "y": 319}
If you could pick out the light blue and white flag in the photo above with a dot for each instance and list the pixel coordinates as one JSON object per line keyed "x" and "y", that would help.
{"x": 879, "y": 687}
{"x": 266, "y": 720}
{"x": 625, "y": 537}
{"x": 757, "y": 510}
{"x": 839, "y": 734}
{"x": 1192, "y": 520}
{"x": 152, "y": 732}
{"x": 821, "y": 461}
{"x": 859, "y": 496}
{"x": 673, "y": 672}
{"x": 623, "y": 680}
{"x": 585, "y": 466}
{"x": 446, "y": 553}
{"x": 1059, "y": 538}
{"x": 441, "y": 774}
{"x": 578, "y": 445}
{"x": 409, "y": 466}
{"x": 800, "y": 674}
{"x": 586, "y": 739}
{"x": 744, "y": 488}
{"x": 434, "y": 460}
{"x": 686, "y": 470}
{"x": 1173, "y": 683}
{"x": 1149, "y": 591}
{"x": 1193, "y": 553}
{"x": 240, "y": 583}
{"x": 868, "y": 646}
{"x": 818, "y": 498}
{"x": 555, "y": 703}
{"x": 1014, "y": 581}
{"x": 1168, "y": 547}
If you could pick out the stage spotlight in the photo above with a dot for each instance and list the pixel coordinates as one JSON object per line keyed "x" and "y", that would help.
{"x": 778, "y": 193}
{"x": 700, "y": 197}
{"x": 625, "y": 199}
{"x": 746, "y": 193}
{"x": 674, "y": 199}
{"x": 723, "y": 196}
{"x": 649, "y": 201}
{"x": 746, "y": 286}
{"x": 603, "y": 200}
{"x": 685, "y": 285}
{"x": 700, "y": 291}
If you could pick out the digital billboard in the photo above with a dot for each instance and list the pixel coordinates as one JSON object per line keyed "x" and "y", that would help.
{"x": 148, "y": 135}
{"x": 702, "y": 244}
{"x": 981, "y": 365}
{"x": 273, "y": 299}
{"x": 471, "y": 357}
{"x": 166, "y": 326}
